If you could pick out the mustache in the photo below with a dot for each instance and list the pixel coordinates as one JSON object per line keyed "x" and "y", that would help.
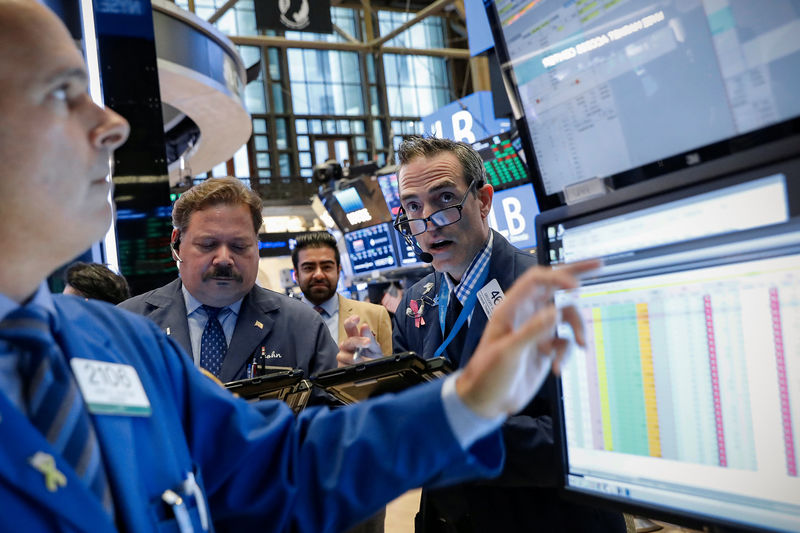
{"x": 222, "y": 271}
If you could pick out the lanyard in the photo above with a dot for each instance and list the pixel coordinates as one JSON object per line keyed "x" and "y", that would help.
{"x": 444, "y": 301}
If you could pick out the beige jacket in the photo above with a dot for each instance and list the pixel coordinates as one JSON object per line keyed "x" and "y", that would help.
{"x": 375, "y": 315}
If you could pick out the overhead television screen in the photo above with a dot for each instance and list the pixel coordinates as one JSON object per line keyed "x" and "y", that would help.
{"x": 505, "y": 168}
{"x": 358, "y": 204}
{"x": 371, "y": 249}
{"x": 634, "y": 89}
{"x": 391, "y": 192}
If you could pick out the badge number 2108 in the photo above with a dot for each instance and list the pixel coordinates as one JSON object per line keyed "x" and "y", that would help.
{"x": 110, "y": 388}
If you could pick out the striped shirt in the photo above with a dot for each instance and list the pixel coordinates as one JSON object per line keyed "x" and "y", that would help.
{"x": 473, "y": 272}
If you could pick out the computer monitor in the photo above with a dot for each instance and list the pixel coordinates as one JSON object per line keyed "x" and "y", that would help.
{"x": 633, "y": 89}
{"x": 356, "y": 204}
{"x": 391, "y": 193}
{"x": 501, "y": 159}
{"x": 685, "y": 403}
{"x": 371, "y": 249}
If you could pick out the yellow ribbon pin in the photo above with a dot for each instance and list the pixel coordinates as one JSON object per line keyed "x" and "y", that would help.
{"x": 46, "y": 465}
{"x": 259, "y": 325}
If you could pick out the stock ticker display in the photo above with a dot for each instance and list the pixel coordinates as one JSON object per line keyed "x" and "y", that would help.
{"x": 504, "y": 167}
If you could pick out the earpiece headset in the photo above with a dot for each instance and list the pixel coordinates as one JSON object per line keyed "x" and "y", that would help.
{"x": 174, "y": 245}
{"x": 423, "y": 256}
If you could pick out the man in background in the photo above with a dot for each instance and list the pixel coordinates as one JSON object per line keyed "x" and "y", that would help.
{"x": 317, "y": 268}
{"x": 445, "y": 207}
{"x": 215, "y": 310}
{"x": 96, "y": 281}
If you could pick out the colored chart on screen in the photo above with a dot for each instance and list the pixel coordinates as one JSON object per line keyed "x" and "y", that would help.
{"x": 504, "y": 167}
{"x": 690, "y": 366}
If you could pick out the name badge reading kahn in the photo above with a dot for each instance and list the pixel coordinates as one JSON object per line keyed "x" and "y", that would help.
{"x": 490, "y": 297}
{"x": 110, "y": 388}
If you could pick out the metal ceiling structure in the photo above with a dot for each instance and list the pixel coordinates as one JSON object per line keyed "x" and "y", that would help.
{"x": 374, "y": 44}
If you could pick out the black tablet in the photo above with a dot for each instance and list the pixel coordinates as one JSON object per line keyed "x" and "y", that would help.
{"x": 286, "y": 384}
{"x": 393, "y": 373}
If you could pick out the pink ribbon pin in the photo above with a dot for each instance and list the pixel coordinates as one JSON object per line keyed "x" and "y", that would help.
{"x": 416, "y": 312}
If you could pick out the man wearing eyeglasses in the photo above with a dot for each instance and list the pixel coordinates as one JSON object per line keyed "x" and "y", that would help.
{"x": 445, "y": 207}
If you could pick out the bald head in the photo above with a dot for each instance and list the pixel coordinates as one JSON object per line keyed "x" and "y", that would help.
{"x": 21, "y": 23}
{"x": 55, "y": 144}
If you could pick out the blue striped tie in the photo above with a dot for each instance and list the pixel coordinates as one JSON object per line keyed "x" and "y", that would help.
{"x": 54, "y": 403}
{"x": 213, "y": 345}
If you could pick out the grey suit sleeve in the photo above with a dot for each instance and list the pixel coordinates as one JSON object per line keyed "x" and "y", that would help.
{"x": 326, "y": 350}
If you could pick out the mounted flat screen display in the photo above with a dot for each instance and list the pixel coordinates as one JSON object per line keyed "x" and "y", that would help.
{"x": 633, "y": 89}
{"x": 504, "y": 166}
{"x": 357, "y": 204}
{"x": 371, "y": 249}
{"x": 684, "y": 402}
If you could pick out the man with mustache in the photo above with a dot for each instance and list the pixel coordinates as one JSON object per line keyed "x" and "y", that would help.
{"x": 107, "y": 426}
{"x": 317, "y": 267}
{"x": 215, "y": 311}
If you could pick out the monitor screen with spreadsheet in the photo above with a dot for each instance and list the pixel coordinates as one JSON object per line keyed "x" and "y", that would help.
{"x": 634, "y": 89}
{"x": 685, "y": 402}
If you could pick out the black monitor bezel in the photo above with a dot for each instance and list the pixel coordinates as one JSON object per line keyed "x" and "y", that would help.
{"x": 722, "y": 156}
{"x": 670, "y": 188}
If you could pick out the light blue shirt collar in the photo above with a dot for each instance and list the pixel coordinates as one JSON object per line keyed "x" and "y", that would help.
{"x": 473, "y": 272}
{"x": 331, "y": 319}
{"x": 331, "y": 305}
{"x": 197, "y": 319}
{"x": 193, "y": 303}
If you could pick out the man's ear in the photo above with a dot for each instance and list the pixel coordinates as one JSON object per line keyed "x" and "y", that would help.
{"x": 175, "y": 239}
{"x": 485, "y": 195}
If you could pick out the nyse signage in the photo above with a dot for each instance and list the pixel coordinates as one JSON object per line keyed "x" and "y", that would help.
{"x": 468, "y": 119}
{"x": 512, "y": 215}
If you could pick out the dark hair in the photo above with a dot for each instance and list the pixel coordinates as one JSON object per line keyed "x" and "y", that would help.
{"x": 97, "y": 282}
{"x": 471, "y": 163}
{"x": 215, "y": 191}
{"x": 317, "y": 239}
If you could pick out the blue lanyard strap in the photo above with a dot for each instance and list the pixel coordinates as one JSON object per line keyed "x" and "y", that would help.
{"x": 444, "y": 301}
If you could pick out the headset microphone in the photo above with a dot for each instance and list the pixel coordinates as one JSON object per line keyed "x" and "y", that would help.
{"x": 173, "y": 246}
{"x": 425, "y": 257}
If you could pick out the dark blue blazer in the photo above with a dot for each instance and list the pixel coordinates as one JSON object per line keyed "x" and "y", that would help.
{"x": 259, "y": 467}
{"x": 291, "y": 333}
{"x": 524, "y": 497}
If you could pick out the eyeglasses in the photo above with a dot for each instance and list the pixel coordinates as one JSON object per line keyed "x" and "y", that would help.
{"x": 443, "y": 217}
